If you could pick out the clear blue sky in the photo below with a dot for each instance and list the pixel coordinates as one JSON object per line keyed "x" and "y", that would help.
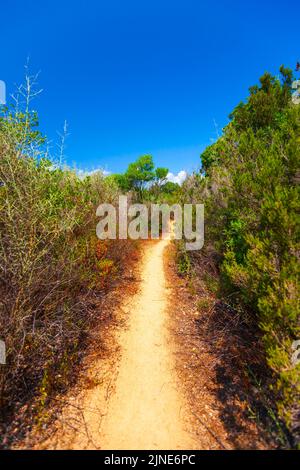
{"x": 135, "y": 77}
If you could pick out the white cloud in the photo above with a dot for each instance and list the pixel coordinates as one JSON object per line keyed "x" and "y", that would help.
{"x": 179, "y": 178}
{"x": 83, "y": 174}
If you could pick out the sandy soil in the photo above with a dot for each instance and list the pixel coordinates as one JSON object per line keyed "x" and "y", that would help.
{"x": 154, "y": 382}
{"x": 135, "y": 401}
{"x": 147, "y": 411}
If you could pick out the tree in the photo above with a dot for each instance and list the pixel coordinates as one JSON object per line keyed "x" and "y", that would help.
{"x": 121, "y": 180}
{"x": 160, "y": 179}
{"x": 140, "y": 173}
{"x": 161, "y": 175}
{"x": 170, "y": 188}
{"x": 251, "y": 194}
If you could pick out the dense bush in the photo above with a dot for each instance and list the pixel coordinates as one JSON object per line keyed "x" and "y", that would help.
{"x": 50, "y": 260}
{"x": 249, "y": 184}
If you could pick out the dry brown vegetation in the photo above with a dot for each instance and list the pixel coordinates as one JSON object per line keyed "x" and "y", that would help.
{"x": 53, "y": 269}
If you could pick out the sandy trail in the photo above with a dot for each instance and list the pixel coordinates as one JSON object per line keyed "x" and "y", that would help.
{"x": 146, "y": 411}
{"x": 139, "y": 405}
{"x": 130, "y": 395}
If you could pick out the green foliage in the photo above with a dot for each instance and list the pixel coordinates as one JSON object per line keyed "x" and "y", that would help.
{"x": 212, "y": 155}
{"x": 170, "y": 188}
{"x": 183, "y": 261}
{"x": 251, "y": 193}
{"x": 160, "y": 176}
{"x": 137, "y": 176}
{"x": 145, "y": 181}
{"x": 121, "y": 181}
{"x": 140, "y": 173}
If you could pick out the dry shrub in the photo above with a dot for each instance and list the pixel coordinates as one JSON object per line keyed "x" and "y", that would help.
{"x": 48, "y": 253}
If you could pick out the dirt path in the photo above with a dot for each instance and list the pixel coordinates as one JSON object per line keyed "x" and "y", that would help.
{"x": 136, "y": 403}
{"x": 151, "y": 380}
{"x": 146, "y": 411}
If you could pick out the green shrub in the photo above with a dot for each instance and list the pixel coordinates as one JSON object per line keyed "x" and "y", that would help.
{"x": 251, "y": 193}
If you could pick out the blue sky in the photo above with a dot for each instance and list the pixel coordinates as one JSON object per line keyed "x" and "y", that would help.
{"x": 136, "y": 77}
